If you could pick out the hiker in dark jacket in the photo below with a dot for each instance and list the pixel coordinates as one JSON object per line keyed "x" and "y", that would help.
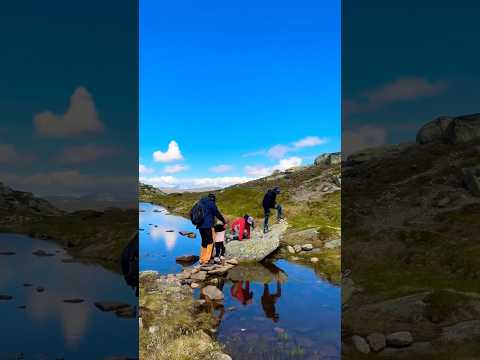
{"x": 210, "y": 212}
{"x": 270, "y": 202}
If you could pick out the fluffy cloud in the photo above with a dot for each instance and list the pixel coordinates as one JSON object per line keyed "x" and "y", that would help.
{"x": 221, "y": 168}
{"x": 172, "y": 154}
{"x": 80, "y": 118}
{"x": 279, "y": 151}
{"x": 173, "y": 169}
{"x": 142, "y": 169}
{"x": 194, "y": 183}
{"x": 86, "y": 153}
{"x": 283, "y": 164}
{"x": 309, "y": 141}
{"x": 364, "y": 137}
{"x": 402, "y": 89}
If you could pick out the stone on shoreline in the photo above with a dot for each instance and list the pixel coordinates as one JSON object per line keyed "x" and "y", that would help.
{"x": 360, "y": 344}
{"x": 399, "y": 339}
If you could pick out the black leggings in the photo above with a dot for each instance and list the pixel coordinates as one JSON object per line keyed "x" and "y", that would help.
{"x": 207, "y": 236}
{"x": 219, "y": 249}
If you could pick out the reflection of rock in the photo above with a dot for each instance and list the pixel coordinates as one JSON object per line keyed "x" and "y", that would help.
{"x": 187, "y": 259}
{"x": 6, "y": 297}
{"x": 257, "y": 273}
{"x": 213, "y": 293}
{"x": 42, "y": 253}
{"x": 126, "y": 312}
{"x": 73, "y": 301}
{"x": 110, "y": 305}
{"x": 189, "y": 234}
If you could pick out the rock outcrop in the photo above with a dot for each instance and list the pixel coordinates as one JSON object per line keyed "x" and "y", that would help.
{"x": 258, "y": 247}
{"x": 328, "y": 159}
{"x": 454, "y": 130}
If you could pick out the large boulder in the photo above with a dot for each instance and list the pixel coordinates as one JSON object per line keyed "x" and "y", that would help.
{"x": 258, "y": 247}
{"x": 328, "y": 159}
{"x": 434, "y": 131}
{"x": 454, "y": 130}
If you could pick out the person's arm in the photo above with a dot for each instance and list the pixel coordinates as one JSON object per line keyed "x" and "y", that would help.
{"x": 217, "y": 214}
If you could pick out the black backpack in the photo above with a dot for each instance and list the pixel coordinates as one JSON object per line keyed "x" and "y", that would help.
{"x": 196, "y": 214}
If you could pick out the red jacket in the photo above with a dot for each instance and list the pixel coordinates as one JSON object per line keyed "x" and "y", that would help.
{"x": 239, "y": 226}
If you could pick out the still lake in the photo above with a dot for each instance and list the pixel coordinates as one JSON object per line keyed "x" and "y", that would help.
{"x": 277, "y": 310}
{"x": 39, "y": 325}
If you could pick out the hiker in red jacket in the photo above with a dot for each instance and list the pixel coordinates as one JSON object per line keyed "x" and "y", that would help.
{"x": 241, "y": 227}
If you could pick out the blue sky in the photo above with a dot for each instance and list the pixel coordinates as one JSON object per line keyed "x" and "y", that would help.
{"x": 227, "y": 82}
{"x": 75, "y": 70}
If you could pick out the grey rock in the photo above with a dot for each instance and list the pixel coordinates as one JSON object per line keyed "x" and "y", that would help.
{"x": 332, "y": 244}
{"x": 307, "y": 247}
{"x": 213, "y": 293}
{"x": 471, "y": 179}
{"x": 434, "y": 131}
{"x": 360, "y": 344}
{"x": 314, "y": 259}
{"x": 42, "y": 253}
{"x": 399, "y": 339}
{"x": 376, "y": 341}
{"x": 463, "y": 331}
{"x": 258, "y": 247}
{"x": 328, "y": 159}
{"x": 297, "y": 248}
{"x": 232, "y": 261}
{"x": 463, "y": 129}
{"x": 200, "y": 276}
{"x": 290, "y": 249}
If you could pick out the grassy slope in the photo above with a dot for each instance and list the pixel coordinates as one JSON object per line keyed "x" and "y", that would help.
{"x": 99, "y": 237}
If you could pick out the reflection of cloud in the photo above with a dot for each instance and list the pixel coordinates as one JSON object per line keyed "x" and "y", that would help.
{"x": 173, "y": 153}
{"x": 81, "y": 117}
{"x": 156, "y": 233}
{"x": 75, "y": 319}
{"x": 364, "y": 137}
{"x": 170, "y": 240}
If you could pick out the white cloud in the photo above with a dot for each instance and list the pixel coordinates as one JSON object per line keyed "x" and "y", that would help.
{"x": 194, "y": 183}
{"x": 278, "y": 151}
{"x": 283, "y": 164}
{"x": 364, "y": 137}
{"x": 173, "y": 169}
{"x": 142, "y": 169}
{"x": 309, "y": 141}
{"x": 288, "y": 163}
{"x": 172, "y": 154}
{"x": 86, "y": 153}
{"x": 80, "y": 118}
{"x": 221, "y": 168}
{"x": 258, "y": 171}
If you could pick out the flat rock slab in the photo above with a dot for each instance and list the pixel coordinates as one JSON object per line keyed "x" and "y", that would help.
{"x": 110, "y": 305}
{"x": 257, "y": 248}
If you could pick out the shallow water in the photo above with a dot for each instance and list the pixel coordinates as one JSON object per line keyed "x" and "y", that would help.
{"x": 48, "y": 328}
{"x": 278, "y": 310}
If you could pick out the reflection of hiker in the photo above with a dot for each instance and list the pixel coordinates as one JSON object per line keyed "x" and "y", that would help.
{"x": 219, "y": 242}
{"x": 243, "y": 295}
{"x": 130, "y": 263}
{"x": 241, "y": 227}
{"x": 203, "y": 215}
{"x": 270, "y": 202}
{"x": 269, "y": 300}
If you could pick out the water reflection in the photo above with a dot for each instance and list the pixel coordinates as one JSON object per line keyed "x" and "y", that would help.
{"x": 269, "y": 300}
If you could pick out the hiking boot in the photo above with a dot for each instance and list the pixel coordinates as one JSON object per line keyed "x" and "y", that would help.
{"x": 216, "y": 260}
{"x": 222, "y": 258}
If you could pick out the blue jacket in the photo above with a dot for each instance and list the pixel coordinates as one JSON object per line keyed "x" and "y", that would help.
{"x": 210, "y": 212}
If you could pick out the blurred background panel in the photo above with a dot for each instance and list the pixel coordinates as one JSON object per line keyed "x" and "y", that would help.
{"x": 410, "y": 205}
{"x": 69, "y": 179}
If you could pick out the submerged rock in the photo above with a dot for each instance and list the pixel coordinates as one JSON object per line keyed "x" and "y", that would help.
{"x": 257, "y": 248}
{"x": 189, "y": 234}
{"x": 42, "y": 253}
{"x": 110, "y": 305}
{"x": 187, "y": 259}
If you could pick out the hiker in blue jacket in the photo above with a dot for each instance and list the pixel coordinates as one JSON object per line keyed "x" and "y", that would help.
{"x": 210, "y": 212}
{"x": 270, "y": 202}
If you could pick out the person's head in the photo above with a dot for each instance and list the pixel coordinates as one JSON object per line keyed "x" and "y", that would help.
{"x": 248, "y": 219}
{"x": 276, "y": 189}
{"x": 212, "y": 197}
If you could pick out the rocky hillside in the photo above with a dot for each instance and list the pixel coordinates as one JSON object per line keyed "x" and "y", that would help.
{"x": 411, "y": 225}
{"x": 310, "y": 197}
{"x": 97, "y": 236}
